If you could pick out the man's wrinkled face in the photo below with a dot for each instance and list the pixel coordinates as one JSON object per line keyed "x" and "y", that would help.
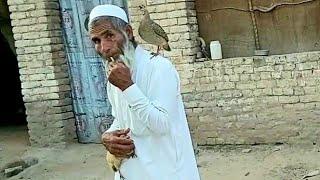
{"x": 107, "y": 40}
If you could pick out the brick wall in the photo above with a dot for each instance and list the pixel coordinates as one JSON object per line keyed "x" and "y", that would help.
{"x": 249, "y": 100}
{"x": 231, "y": 101}
{"x": 44, "y": 71}
{"x": 178, "y": 19}
{"x": 252, "y": 100}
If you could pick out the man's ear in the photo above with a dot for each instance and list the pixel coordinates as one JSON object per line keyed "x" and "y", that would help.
{"x": 129, "y": 32}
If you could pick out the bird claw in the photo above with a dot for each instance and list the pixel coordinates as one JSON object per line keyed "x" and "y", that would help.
{"x": 121, "y": 176}
{"x": 154, "y": 55}
{"x": 133, "y": 155}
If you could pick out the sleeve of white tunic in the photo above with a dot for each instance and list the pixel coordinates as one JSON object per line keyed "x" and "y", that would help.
{"x": 162, "y": 97}
{"x": 115, "y": 124}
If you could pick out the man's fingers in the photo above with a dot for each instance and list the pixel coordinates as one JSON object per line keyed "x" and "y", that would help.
{"x": 118, "y": 142}
{"x": 112, "y": 64}
{"x": 122, "y": 140}
{"x": 117, "y": 132}
{"x": 125, "y": 136}
{"x": 125, "y": 140}
{"x": 126, "y": 148}
{"x": 126, "y": 131}
{"x": 122, "y": 64}
{"x": 121, "y": 149}
{"x": 117, "y": 64}
{"x": 121, "y": 132}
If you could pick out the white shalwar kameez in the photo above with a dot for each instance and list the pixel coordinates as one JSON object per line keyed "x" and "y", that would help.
{"x": 153, "y": 109}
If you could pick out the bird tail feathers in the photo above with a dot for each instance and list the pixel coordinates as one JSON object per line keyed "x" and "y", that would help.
{"x": 167, "y": 47}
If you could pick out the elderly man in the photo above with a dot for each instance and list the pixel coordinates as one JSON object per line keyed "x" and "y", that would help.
{"x": 146, "y": 103}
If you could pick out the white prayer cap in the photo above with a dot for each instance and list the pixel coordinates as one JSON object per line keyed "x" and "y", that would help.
{"x": 108, "y": 10}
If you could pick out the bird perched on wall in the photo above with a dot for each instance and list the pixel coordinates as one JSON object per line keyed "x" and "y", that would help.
{"x": 152, "y": 32}
{"x": 115, "y": 162}
{"x": 203, "y": 47}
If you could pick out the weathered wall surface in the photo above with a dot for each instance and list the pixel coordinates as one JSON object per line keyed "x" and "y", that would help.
{"x": 44, "y": 71}
{"x": 240, "y": 100}
{"x": 257, "y": 100}
{"x": 178, "y": 19}
{"x": 5, "y": 27}
{"x": 290, "y": 27}
{"x": 230, "y": 101}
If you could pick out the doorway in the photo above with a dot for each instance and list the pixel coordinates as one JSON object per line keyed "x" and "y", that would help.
{"x": 13, "y": 129}
{"x": 12, "y": 111}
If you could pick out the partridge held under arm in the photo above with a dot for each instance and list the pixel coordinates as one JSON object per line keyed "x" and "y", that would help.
{"x": 115, "y": 162}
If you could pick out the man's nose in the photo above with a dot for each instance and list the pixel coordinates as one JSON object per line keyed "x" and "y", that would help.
{"x": 105, "y": 46}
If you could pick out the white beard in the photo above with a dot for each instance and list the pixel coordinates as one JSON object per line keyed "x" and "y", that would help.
{"x": 128, "y": 54}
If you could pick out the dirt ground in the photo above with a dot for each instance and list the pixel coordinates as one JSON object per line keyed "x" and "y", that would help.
{"x": 86, "y": 161}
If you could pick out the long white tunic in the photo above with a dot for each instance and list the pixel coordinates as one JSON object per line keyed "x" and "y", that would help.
{"x": 153, "y": 109}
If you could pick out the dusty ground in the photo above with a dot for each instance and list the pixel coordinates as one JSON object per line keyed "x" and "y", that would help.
{"x": 86, "y": 161}
{"x": 13, "y": 143}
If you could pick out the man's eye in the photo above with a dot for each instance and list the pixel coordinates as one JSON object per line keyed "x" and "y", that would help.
{"x": 95, "y": 40}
